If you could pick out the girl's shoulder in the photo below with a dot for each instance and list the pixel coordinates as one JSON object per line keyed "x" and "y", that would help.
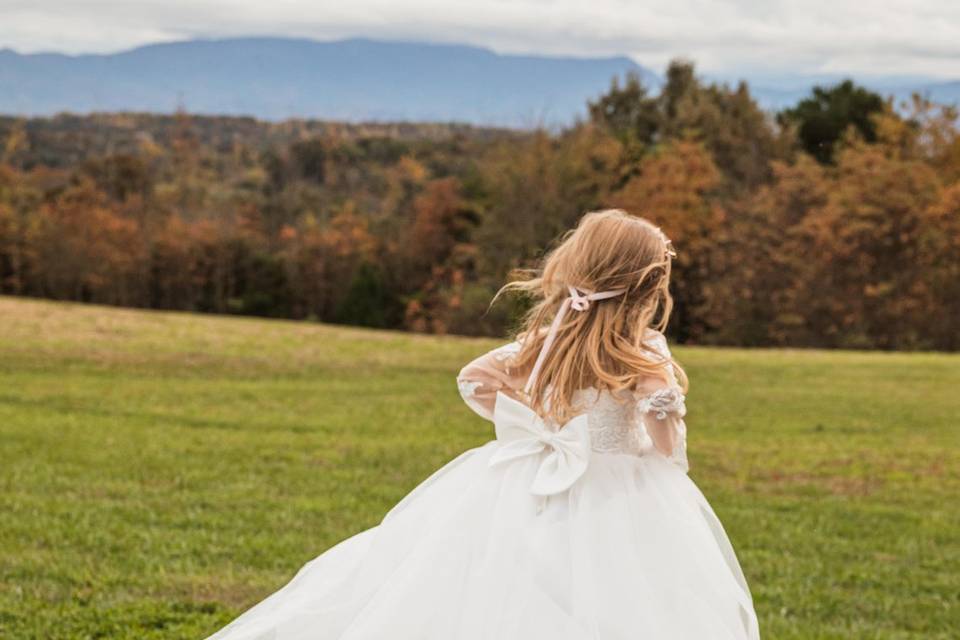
{"x": 504, "y": 354}
{"x": 508, "y": 349}
{"x": 656, "y": 343}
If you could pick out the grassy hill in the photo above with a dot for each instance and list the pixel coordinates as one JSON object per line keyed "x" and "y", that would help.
{"x": 161, "y": 472}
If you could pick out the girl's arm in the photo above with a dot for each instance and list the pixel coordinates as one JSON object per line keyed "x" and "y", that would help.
{"x": 661, "y": 405}
{"x": 480, "y": 380}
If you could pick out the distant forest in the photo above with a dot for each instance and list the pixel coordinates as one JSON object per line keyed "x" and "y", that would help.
{"x": 835, "y": 223}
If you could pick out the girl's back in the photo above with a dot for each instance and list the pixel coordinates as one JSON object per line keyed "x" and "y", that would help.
{"x": 625, "y": 421}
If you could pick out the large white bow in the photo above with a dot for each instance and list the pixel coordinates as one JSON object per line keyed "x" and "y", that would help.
{"x": 522, "y": 433}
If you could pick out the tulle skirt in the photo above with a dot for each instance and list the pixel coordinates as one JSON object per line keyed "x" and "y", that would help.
{"x": 632, "y": 550}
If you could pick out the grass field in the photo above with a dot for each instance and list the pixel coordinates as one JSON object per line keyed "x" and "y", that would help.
{"x": 161, "y": 472}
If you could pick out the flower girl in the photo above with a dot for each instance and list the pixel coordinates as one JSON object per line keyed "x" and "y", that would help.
{"x": 578, "y": 521}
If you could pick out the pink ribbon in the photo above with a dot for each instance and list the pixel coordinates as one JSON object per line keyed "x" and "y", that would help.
{"x": 579, "y": 300}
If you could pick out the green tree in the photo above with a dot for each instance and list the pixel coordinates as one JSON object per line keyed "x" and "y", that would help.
{"x": 627, "y": 112}
{"x": 368, "y": 302}
{"x": 727, "y": 121}
{"x": 824, "y": 118}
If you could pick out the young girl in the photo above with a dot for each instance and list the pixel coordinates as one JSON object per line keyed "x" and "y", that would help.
{"x": 578, "y": 521}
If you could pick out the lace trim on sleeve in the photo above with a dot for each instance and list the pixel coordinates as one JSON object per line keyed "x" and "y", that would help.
{"x": 667, "y": 407}
{"x": 468, "y": 391}
{"x": 663, "y": 402}
{"x": 467, "y": 387}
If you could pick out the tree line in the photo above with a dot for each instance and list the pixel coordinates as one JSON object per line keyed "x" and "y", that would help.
{"x": 835, "y": 223}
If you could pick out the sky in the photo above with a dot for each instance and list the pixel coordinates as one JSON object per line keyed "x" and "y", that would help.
{"x": 731, "y": 38}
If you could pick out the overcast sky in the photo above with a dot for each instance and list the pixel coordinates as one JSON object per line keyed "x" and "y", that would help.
{"x": 879, "y": 37}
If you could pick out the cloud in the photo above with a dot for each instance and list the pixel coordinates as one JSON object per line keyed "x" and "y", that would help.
{"x": 880, "y": 38}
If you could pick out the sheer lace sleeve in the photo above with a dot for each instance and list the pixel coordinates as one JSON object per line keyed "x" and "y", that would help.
{"x": 662, "y": 406}
{"x": 480, "y": 380}
{"x": 662, "y": 414}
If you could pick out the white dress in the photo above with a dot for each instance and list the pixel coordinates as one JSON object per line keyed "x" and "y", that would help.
{"x": 587, "y": 532}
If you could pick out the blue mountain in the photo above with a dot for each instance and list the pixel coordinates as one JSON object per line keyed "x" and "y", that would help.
{"x": 278, "y": 78}
{"x": 355, "y": 80}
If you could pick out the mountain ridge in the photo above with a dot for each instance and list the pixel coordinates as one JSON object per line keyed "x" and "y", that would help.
{"x": 353, "y": 79}
{"x": 279, "y": 78}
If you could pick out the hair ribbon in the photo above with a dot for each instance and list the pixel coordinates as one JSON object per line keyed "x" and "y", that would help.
{"x": 578, "y": 300}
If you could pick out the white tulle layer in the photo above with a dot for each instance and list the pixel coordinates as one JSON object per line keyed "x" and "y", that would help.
{"x": 632, "y": 551}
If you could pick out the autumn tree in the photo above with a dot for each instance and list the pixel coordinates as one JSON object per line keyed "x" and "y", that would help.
{"x": 437, "y": 254}
{"x": 728, "y": 122}
{"x": 536, "y": 188}
{"x": 183, "y": 266}
{"x": 760, "y": 257}
{"x": 86, "y": 251}
{"x": 322, "y": 258}
{"x": 676, "y": 188}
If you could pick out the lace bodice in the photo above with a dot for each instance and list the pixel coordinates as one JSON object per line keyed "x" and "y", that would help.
{"x": 635, "y": 423}
{"x": 615, "y": 426}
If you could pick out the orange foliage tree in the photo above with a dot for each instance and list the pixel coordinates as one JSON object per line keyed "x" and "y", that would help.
{"x": 675, "y": 188}
{"x": 89, "y": 252}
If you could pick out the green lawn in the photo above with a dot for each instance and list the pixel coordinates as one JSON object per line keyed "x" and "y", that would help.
{"x": 160, "y": 472}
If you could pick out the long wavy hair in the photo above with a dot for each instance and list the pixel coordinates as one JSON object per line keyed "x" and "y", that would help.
{"x": 603, "y": 346}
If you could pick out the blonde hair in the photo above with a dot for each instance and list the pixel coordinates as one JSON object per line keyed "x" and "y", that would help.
{"x": 603, "y": 346}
